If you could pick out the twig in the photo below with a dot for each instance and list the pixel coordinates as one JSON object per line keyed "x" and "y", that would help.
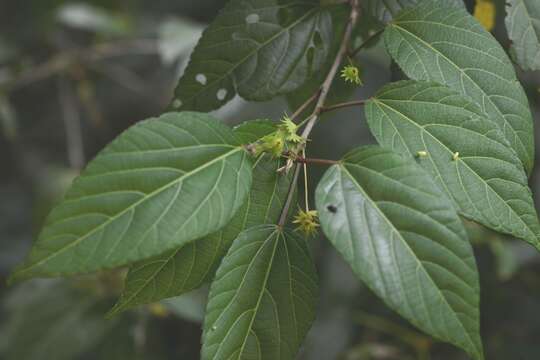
{"x": 72, "y": 124}
{"x": 343, "y": 105}
{"x": 290, "y": 196}
{"x": 354, "y": 52}
{"x": 419, "y": 342}
{"x": 303, "y": 107}
{"x": 65, "y": 59}
{"x": 303, "y": 160}
{"x": 325, "y": 87}
{"x": 321, "y": 99}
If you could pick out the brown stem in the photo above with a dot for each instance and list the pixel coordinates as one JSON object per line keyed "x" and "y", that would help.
{"x": 65, "y": 59}
{"x": 302, "y": 160}
{"x": 343, "y": 105}
{"x": 72, "y": 123}
{"x": 290, "y": 196}
{"x": 304, "y": 106}
{"x": 321, "y": 99}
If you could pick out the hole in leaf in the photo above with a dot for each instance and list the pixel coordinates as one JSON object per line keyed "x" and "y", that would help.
{"x": 252, "y": 19}
{"x": 332, "y": 209}
{"x": 221, "y": 94}
{"x": 317, "y": 40}
{"x": 201, "y": 79}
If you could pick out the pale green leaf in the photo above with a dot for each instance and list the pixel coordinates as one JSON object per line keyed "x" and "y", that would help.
{"x": 402, "y": 237}
{"x": 523, "y": 25}
{"x": 161, "y": 184}
{"x": 186, "y": 268}
{"x": 262, "y": 301}
{"x": 447, "y": 45}
{"x": 486, "y": 180}
{"x": 258, "y": 49}
{"x": 386, "y": 10}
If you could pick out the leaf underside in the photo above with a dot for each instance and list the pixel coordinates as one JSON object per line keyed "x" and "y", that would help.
{"x": 523, "y": 25}
{"x": 258, "y": 49}
{"x": 447, "y": 45}
{"x": 262, "y": 301}
{"x": 188, "y": 267}
{"x": 401, "y": 236}
{"x": 486, "y": 181}
{"x": 161, "y": 184}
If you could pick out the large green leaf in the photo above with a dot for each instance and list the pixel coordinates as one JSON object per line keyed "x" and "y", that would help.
{"x": 486, "y": 181}
{"x": 262, "y": 301}
{"x": 258, "y": 49}
{"x": 447, "y": 45}
{"x": 402, "y": 237}
{"x": 340, "y": 90}
{"x": 162, "y": 183}
{"x": 386, "y": 10}
{"x": 186, "y": 268}
{"x": 523, "y": 24}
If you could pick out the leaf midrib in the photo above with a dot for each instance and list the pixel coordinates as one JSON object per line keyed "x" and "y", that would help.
{"x": 129, "y": 208}
{"x": 422, "y": 129}
{"x": 175, "y": 252}
{"x": 419, "y": 263}
{"x": 263, "y": 287}
{"x": 252, "y": 53}
{"x": 516, "y": 136}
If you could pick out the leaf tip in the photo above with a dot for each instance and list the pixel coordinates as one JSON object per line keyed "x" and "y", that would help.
{"x": 116, "y": 309}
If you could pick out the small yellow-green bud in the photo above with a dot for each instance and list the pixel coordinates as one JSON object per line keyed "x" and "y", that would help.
{"x": 350, "y": 73}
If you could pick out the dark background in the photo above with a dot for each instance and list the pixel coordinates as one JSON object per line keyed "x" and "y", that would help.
{"x": 75, "y": 74}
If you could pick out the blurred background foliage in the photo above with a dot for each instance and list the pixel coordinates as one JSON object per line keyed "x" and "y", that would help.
{"x": 74, "y": 74}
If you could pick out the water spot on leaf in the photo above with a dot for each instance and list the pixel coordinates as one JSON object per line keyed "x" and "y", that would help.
{"x": 201, "y": 79}
{"x": 177, "y": 104}
{"x": 252, "y": 18}
{"x": 221, "y": 94}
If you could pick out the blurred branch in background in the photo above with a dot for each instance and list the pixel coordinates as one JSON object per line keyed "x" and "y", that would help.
{"x": 59, "y": 97}
{"x": 420, "y": 343}
{"x": 64, "y": 60}
{"x": 72, "y": 123}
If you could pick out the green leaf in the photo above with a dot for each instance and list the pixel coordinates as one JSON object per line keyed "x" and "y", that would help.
{"x": 523, "y": 25}
{"x": 447, "y": 45}
{"x": 486, "y": 181}
{"x": 258, "y": 49}
{"x": 340, "y": 90}
{"x": 386, "y": 10}
{"x": 186, "y": 268}
{"x": 253, "y": 130}
{"x": 161, "y": 184}
{"x": 262, "y": 301}
{"x": 402, "y": 237}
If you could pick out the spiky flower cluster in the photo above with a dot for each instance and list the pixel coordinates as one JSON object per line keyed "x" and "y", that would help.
{"x": 350, "y": 73}
{"x": 307, "y": 221}
{"x": 284, "y": 139}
